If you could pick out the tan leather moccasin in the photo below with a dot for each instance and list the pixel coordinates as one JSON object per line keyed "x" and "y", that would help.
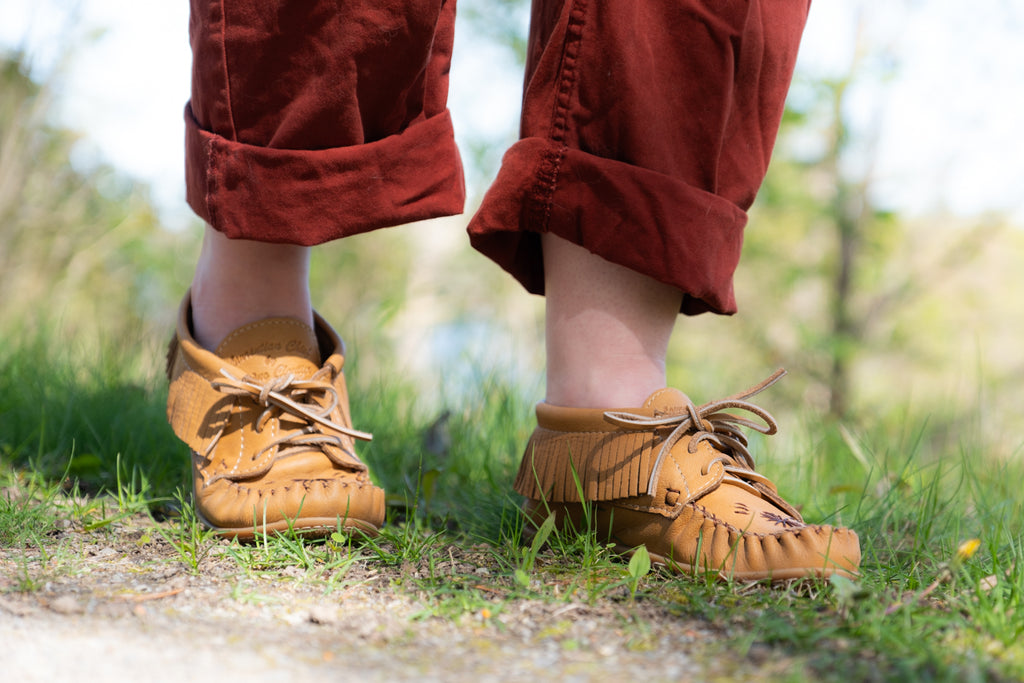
{"x": 267, "y": 418}
{"x": 679, "y": 480}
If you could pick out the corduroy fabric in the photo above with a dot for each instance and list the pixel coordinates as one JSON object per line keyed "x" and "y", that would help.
{"x": 312, "y": 120}
{"x": 646, "y": 132}
{"x": 647, "y": 128}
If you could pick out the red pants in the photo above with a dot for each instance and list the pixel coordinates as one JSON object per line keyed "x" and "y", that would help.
{"x": 647, "y": 127}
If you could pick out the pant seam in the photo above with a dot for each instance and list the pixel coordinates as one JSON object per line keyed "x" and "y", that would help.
{"x": 568, "y": 71}
{"x": 549, "y": 169}
{"x": 211, "y": 148}
{"x": 225, "y": 70}
{"x": 211, "y": 185}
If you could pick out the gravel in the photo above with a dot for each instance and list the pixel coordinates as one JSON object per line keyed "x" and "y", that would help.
{"x": 122, "y": 605}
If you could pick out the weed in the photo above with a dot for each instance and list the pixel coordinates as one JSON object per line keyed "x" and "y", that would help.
{"x": 405, "y": 543}
{"x": 329, "y": 557}
{"x": 529, "y": 558}
{"x": 188, "y": 536}
{"x": 639, "y": 567}
{"x": 28, "y": 509}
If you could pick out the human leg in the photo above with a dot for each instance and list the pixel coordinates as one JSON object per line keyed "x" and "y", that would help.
{"x": 241, "y": 281}
{"x": 607, "y": 328}
{"x": 309, "y": 121}
{"x": 647, "y": 129}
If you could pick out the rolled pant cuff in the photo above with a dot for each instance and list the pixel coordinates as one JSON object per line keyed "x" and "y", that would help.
{"x": 637, "y": 218}
{"x": 310, "y": 197}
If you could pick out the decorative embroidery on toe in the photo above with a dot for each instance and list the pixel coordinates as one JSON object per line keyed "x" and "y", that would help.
{"x": 782, "y": 520}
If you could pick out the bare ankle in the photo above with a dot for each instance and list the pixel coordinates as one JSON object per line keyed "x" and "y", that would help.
{"x": 607, "y": 329}
{"x": 238, "y": 282}
{"x": 606, "y": 382}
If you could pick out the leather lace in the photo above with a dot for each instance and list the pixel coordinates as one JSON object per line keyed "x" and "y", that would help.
{"x": 709, "y": 423}
{"x": 293, "y": 396}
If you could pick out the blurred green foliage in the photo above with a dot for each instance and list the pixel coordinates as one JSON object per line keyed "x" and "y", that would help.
{"x": 82, "y": 247}
{"x": 878, "y": 316}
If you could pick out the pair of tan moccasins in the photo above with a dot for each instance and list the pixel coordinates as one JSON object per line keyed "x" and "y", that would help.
{"x": 266, "y": 416}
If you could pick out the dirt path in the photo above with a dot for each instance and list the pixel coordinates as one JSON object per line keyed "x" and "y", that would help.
{"x": 103, "y": 609}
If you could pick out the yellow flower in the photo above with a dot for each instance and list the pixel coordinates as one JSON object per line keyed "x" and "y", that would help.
{"x": 967, "y": 549}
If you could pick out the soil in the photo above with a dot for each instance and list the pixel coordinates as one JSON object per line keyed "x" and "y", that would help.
{"x": 122, "y": 605}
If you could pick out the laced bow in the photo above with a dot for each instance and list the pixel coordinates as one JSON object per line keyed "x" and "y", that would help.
{"x": 294, "y": 397}
{"x": 708, "y": 423}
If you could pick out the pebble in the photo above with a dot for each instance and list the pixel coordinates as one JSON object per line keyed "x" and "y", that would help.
{"x": 325, "y": 616}
{"x": 66, "y": 605}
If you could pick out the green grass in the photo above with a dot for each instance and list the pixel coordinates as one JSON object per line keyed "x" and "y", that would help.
{"x": 94, "y": 416}
{"x": 88, "y": 443}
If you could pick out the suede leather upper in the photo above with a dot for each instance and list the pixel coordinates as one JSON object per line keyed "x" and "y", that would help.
{"x": 266, "y": 416}
{"x": 678, "y": 480}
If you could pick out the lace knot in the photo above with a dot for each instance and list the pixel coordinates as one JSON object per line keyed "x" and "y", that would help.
{"x": 293, "y": 397}
{"x": 708, "y": 423}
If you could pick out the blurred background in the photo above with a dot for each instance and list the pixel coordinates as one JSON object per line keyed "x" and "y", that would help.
{"x": 883, "y": 264}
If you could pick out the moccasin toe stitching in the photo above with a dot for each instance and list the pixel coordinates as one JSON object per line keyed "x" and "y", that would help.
{"x": 235, "y": 507}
